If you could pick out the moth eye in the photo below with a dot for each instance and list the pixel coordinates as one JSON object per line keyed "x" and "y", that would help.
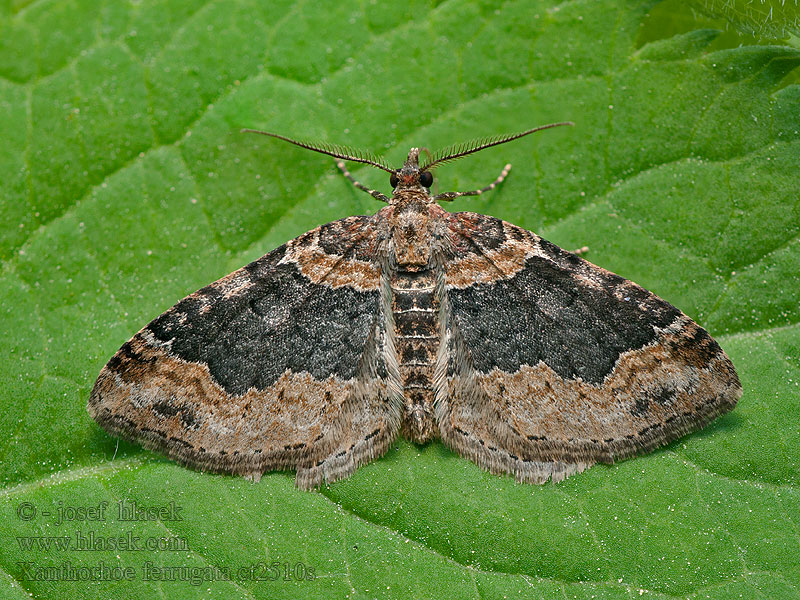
{"x": 426, "y": 179}
{"x": 393, "y": 180}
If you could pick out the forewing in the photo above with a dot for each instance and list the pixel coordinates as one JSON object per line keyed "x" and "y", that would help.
{"x": 279, "y": 365}
{"x": 556, "y": 364}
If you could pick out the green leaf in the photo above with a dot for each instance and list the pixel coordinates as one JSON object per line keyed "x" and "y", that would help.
{"x": 767, "y": 18}
{"x": 126, "y": 185}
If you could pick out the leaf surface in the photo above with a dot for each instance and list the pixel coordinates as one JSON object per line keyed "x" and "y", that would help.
{"x": 126, "y": 186}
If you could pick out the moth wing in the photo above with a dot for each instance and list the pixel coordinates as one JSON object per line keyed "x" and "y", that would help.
{"x": 279, "y": 365}
{"x": 556, "y": 364}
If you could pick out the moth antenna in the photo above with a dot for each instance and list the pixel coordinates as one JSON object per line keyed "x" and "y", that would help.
{"x": 458, "y": 150}
{"x": 335, "y": 150}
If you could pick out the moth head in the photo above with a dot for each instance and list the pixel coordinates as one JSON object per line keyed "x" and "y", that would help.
{"x": 410, "y": 175}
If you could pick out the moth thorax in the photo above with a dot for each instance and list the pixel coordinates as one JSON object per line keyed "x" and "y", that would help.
{"x": 412, "y": 237}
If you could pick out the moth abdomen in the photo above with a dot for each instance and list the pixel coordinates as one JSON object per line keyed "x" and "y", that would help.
{"x": 415, "y": 311}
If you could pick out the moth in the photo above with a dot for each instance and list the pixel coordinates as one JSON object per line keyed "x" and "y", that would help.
{"x": 518, "y": 355}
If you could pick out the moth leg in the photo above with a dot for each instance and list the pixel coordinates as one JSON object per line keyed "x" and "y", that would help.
{"x": 448, "y": 196}
{"x": 580, "y": 251}
{"x": 374, "y": 193}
